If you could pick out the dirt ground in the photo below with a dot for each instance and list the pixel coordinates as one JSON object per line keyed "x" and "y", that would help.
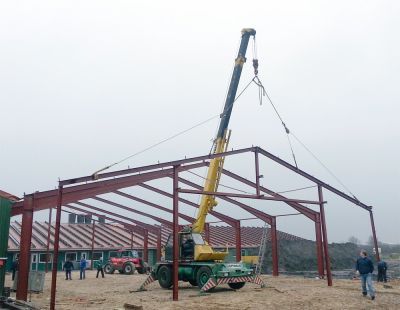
{"x": 282, "y": 292}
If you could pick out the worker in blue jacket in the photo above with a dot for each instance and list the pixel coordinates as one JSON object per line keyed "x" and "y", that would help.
{"x": 382, "y": 268}
{"x": 82, "y": 268}
{"x": 365, "y": 267}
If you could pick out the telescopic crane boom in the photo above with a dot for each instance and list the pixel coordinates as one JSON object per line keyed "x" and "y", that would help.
{"x": 208, "y": 202}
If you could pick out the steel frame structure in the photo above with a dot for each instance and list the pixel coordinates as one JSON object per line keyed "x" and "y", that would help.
{"x": 71, "y": 192}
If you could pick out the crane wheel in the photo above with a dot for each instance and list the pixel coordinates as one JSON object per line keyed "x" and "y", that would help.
{"x": 164, "y": 276}
{"x": 236, "y": 285}
{"x": 203, "y": 274}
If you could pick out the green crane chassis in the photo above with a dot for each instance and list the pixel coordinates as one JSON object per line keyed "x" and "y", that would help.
{"x": 205, "y": 275}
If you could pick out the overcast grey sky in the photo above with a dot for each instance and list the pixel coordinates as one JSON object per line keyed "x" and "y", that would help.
{"x": 86, "y": 83}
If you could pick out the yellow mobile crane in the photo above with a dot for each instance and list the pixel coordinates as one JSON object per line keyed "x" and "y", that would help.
{"x": 199, "y": 264}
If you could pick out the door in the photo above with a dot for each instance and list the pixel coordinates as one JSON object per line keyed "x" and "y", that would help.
{"x": 34, "y": 262}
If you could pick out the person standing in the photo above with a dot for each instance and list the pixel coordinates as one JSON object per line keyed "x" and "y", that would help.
{"x": 382, "y": 268}
{"x": 100, "y": 268}
{"x": 68, "y": 266}
{"x": 365, "y": 267}
{"x": 82, "y": 268}
{"x": 14, "y": 268}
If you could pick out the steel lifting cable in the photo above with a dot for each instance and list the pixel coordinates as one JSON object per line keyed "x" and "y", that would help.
{"x": 263, "y": 93}
{"x": 288, "y": 133}
{"x": 171, "y": 137}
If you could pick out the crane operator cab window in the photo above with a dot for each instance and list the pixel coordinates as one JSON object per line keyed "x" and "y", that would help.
{"x": 187, "y": 245}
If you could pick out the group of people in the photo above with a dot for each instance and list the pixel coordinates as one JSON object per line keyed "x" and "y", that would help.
{"x": 364, "y": 268}
{"x": 69, "y": 266}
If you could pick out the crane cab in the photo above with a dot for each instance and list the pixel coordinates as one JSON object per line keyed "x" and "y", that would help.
{"x": 192, "y": 247}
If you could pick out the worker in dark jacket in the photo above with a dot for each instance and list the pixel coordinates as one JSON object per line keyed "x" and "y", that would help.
{"x": 14, "y": 268}
{"x": 68, "y": 266}
{"x": 365, "y": 267}
{"x": 100, "y": 268}
{"x": 382, "y": 268}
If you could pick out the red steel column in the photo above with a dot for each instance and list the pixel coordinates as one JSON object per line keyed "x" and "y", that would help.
{"x": 274, "y": 248}
{"x": 207, "y": 231}
{"x": 93, "y": 232}
{"x": 371, "y": 216}
{"x": 25, "y": 247}
{"x": 131, "y": 239}
{"x": 48, "y": 240}
{"x": 238, "y": 242}
{"x": 175, "y": 220}
{"x": 318, "y": 243}
{"x": 55, "y": 253}
{"x": 146, "y": 245}
{"x": 257, "y": 166}
{"x": 159, "y": 245}
{"x": 325, "y": 236}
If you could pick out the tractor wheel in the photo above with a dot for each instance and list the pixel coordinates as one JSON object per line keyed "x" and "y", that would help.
{"x": 108, "y": 269}
{"x": 203, "y": 274}
{"x": 128, "y": 268}
{"x": 164, "y": 276}
{"x": 193, "y": 282}
{"x": 236, "y": 285}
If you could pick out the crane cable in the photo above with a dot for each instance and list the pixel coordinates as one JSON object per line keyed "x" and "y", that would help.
{"x": 264, "y": 93}
{"x": 95, "y": 174}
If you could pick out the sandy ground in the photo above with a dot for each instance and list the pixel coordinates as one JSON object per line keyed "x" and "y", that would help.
{"x": 282, "y": 292}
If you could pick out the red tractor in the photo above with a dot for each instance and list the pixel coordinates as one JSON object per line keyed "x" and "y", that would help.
{"x": 126, "y": 262}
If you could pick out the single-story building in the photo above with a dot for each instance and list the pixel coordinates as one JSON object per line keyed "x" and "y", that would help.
{"x": 76, "y": 241}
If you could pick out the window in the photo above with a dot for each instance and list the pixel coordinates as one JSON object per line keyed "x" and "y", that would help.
{"x": 70, "y": 256}
{"x": 113, "y": 254}
{"x": 42, "y": 258}
{"x": 97, "y": 255}
{"x": 83, "y": 255}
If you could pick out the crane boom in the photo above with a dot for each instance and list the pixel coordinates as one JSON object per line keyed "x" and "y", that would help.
{"x": 208, "y": 202}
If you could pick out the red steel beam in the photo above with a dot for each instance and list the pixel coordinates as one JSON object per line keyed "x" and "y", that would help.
{"x": 311, "y": 214}
{"x": 227, "y": 219}
{"x": 139, "y": 225}
{"x": 56, "y": 247}
{"x": 257, "y": 167}
{"x": 325, "y": 236}
{"x": 48, "y": 241}
{"x": 127, "y": 226}
{"x": 371, "y": 216}
{"x": 146, "y": 245}
{"x": 318, "y": 243}
{"x": 25, "y": 247}
{"x": 258, "y": 214}
{"x": 207, "y": 232}
{"x": 71, "y": 194}
{"x": 190, "y": 191}
{"x": 151, "y": 204}
{"x": 274, "y": 248}
{"x": 93, "y": 233}
{"x": 118, "y": 205}
{"x": 159, "y": 238}
{"x": 179, "y": 163}
{"x": 175, "y": 235}
{"x": 238, "y": 242}
{"x": 313, "y": 179}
